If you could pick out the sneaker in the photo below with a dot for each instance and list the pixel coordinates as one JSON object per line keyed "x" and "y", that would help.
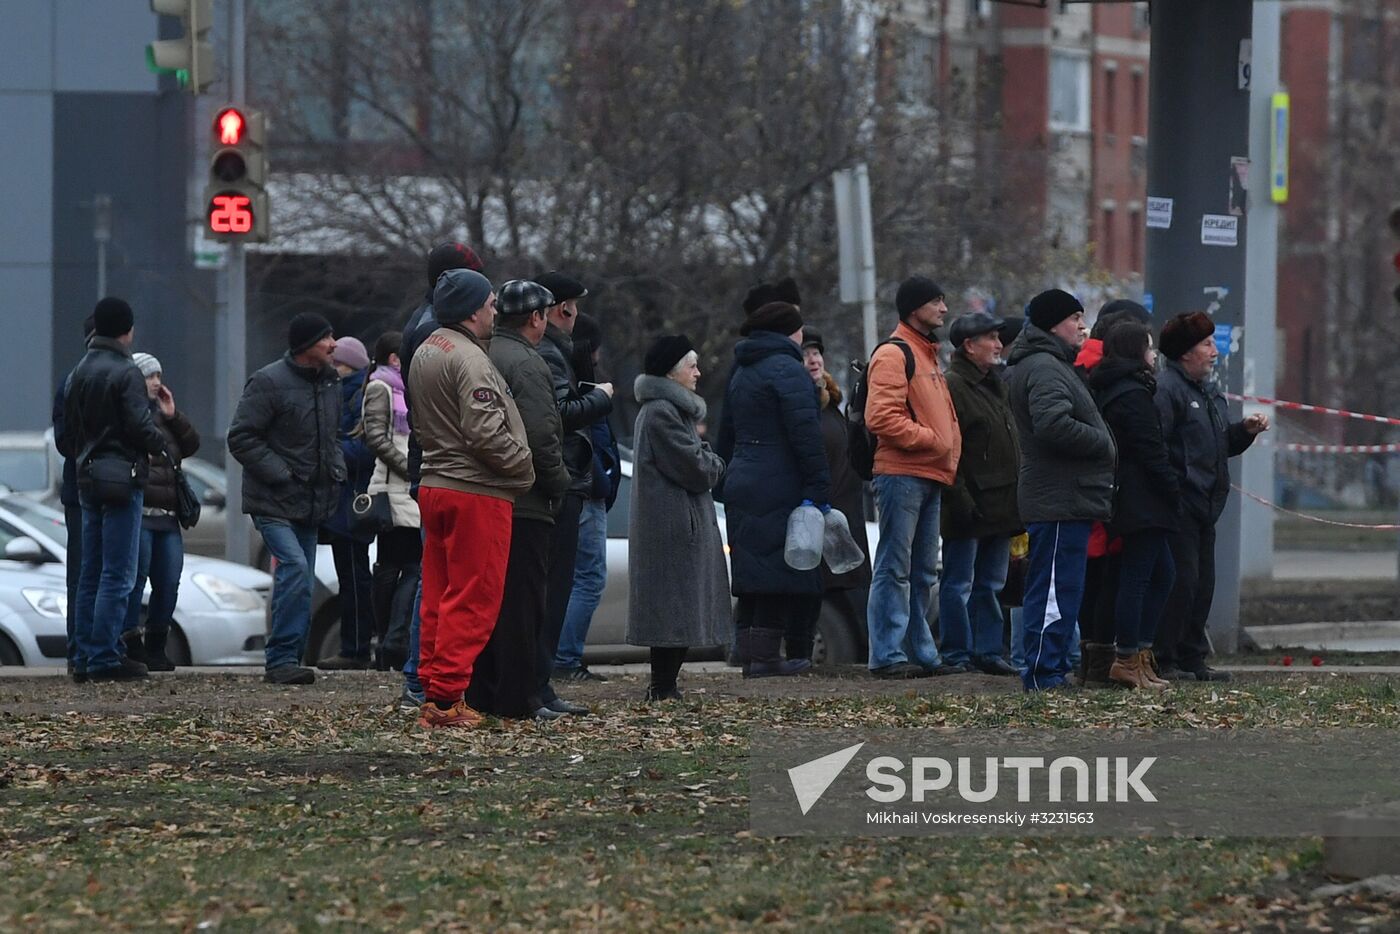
{"x": 341, "y": 663}
{"x": 128, "y": 670}
{"x": 289, "y": 674}
{"x": 410, "y": 700}
{"x": 433, "y": 717}
{"x": 581, "y": 673}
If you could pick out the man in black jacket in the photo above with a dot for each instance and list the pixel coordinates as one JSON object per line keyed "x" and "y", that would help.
{"x": 285, "y": 434}
{"x": 109, "y": 432}
{"x": 1200, "y": 441}
{"x": 579, "y": 408}
{"x": 72, "y": 510}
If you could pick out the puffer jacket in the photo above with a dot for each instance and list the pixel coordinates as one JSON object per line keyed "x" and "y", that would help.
{"x": 913, "y": 417}
{"x": 285, "y": 434}
{"x": 578, "y": 409}
{"x": 472, "y": 436}
{"x": 1200, "y": 440}
{"x": 106, "y": 412}
{"x": 771, "y": 439}
{"x": 532, "y": 388}
{"x": 390, "y": 449}
{"x": 1067, "y": 451}
{"x": 1149, "y": 492}
{"x": 181, "y": 441}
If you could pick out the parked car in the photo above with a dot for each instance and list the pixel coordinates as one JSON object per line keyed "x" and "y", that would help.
{"x": 841, "y": 631}
{"x": 220, "y": 617}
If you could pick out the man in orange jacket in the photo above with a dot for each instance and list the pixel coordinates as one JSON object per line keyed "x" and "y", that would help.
{"x": 918, "y": 443}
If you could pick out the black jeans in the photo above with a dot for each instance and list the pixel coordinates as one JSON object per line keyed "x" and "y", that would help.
{"x": 800, "y": 631}
{"x": 1144, "y": 583}
{"x": 73, "y": 519}
{"x": 563, "y": 551}
{"x": 502, "y": 680}
{"x": 1181, "y": 635}
{"x": 784, "y": 611}
{"x": 398, "y": 567}
{"x": 356, "y": 600}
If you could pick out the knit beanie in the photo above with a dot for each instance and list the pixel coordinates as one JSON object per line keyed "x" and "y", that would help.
{"x": 1051, "y": 307}
{"x": 1183, "y": 332}
{"x": 450, "y": 255}
{"x": 811, "y": 337}
{"x": 784, "y": 290}
{"x": 914, "y": 293}
{"x": 349, "y": 351}
{"x": 112, "y": 318}
{"x": 459, "y": 294}
{"x": 146, "y": 363}
{"x": 304, "y": 330}
{"x": 780, "y": 317}
{"x": 663, "y": 355}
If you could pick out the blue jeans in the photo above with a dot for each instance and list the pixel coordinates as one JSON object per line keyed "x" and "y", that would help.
{"x": 969, "y": 615}
{"x": 906, "y": 568}
{"x": 111, "y": 546}
{"x": 410, "y": 666}
{"x": 1054, "y": 592}
{"x": 1145, "y": 578}
{"x": 590, "y": 577}
{"x": 294, "y": 547}
{"x": 162, "y": 559}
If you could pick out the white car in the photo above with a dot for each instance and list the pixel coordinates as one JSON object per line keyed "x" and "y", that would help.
{"x": 220, "y": 616}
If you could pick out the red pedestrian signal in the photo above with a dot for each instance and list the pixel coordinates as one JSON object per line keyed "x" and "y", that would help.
{"x": 235, "y": 200}
{"x": 229, "y": 126}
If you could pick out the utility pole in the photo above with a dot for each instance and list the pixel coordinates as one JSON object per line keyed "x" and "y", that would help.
{"x": 1260, "y": 342}
{"x": 1199, "y": 123}
{"x": 856, "y": 246}
{"x": 238, "y": 537}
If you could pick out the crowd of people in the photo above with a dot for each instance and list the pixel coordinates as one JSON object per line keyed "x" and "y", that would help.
{"x": 475, "y": 448}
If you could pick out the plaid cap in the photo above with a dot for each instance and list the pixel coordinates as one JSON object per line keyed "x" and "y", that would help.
{"x": 522, "y": 297}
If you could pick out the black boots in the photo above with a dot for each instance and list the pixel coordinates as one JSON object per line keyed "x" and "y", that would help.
{"x": 1096, "y": 658}
{"x": 135, "y": 648}
{"x": 156, "y": 659}
{"x": 759, "y": 650}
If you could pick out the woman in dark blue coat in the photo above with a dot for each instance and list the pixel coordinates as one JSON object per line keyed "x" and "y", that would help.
{"x": 771, "y": 437}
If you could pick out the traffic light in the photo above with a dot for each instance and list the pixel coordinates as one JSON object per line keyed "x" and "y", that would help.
{"x": 235, "y": 200}
{"x": 190, "y": 57}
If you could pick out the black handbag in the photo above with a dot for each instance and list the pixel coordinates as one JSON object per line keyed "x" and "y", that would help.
{"x": 109, "y": 480}
{"x": 370, "y": 514}
{"x": 187, "y": 507}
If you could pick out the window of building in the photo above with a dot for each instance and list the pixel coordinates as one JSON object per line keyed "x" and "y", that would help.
{"x": 1069, "y": 91}
{"x": 917, "y": 71}
{"x": 1110, "y": 100}
{"x": 1135, "y": 241}
{"x": 1106, "y": 256}
{"x": 1139, "y": 104}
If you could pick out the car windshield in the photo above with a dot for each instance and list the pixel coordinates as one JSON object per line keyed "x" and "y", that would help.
{"x": 46, "y": 520}
{"x": 24, "y": 469}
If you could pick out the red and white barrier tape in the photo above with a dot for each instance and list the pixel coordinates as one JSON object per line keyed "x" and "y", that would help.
{"x": 1334, "y": 448}
{"x": 1302, "y": 515}
{"x": 1320, "y": 409}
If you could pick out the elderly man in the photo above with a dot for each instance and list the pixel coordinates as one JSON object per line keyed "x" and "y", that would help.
{"x": 979, "y": 510}
{"x": 1200, "y": 441}
{"x": 1065, "y": 483}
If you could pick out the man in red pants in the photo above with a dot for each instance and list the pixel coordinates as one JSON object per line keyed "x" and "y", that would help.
{"x": 476, "y": 459}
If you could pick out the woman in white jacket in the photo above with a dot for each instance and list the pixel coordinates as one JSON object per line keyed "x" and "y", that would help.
{"x": 398, "y": 563}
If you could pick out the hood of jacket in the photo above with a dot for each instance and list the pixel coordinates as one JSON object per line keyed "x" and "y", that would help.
{"x": 760, "y": 345}
{"x": 652, "y": 388}
{"x": 1032, "y": 340}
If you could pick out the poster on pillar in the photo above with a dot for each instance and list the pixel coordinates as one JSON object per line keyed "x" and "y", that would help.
{"x": 1220, "y": 230}
{"x": 1239, "y": 185}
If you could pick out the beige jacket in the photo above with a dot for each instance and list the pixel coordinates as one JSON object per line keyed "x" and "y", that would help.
{"x": 472, "y": 436}
{"x": 390, "y": 454}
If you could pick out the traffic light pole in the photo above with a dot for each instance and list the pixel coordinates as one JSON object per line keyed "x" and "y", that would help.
{"x": 1195, "y": 247}
{"x": 239, "y": 534}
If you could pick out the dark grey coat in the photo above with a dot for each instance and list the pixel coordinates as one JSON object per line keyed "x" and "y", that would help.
{"x": 532, "y": 387}
{"x": 1067, "y": 451}
{"x": 1200, "y": 440}
{"x": 678, "y": 586}
{"x": 285, "y": 434}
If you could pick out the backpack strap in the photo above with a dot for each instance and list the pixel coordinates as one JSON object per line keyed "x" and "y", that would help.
{"x": 909, "y": 365}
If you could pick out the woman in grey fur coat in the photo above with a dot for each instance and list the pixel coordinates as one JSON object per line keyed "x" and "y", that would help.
{"x": 677, "y": 579}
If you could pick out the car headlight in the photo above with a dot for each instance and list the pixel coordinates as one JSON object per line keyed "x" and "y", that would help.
{"x": 227, "y": 595}
{"x": 51, "y": 604}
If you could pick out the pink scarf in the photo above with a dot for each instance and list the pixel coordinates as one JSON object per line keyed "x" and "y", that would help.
{"x": 394, "y": 380}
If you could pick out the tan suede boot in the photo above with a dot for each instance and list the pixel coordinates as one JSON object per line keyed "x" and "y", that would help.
{"x": 1128, "y": 672}
{"x": 1149, "y": 668}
